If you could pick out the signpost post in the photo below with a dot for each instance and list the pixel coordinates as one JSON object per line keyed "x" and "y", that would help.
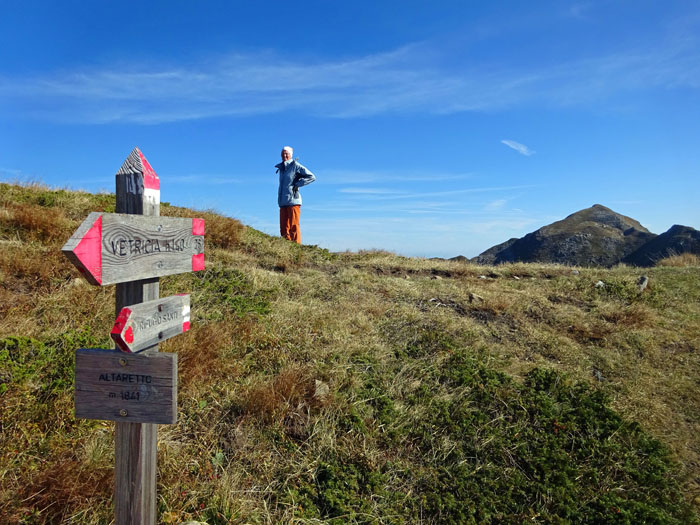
{"x": 132, "y": 248}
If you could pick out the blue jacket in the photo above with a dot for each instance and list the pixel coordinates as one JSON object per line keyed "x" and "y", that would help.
{"x": 292, "y": 177}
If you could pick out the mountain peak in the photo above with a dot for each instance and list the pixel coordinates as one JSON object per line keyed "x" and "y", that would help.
{"x": 678, "y": 239}
{"x": 595, "y": 236}
{"x": 600, "y": 215}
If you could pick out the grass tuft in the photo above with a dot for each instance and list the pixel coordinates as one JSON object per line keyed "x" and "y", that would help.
{"x": 683, "y": 260}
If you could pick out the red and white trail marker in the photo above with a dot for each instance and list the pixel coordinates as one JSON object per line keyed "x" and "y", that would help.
{"x": 139, "y": 178}
{"x": 146, "y": 324}
{"x": 111, "y": 248}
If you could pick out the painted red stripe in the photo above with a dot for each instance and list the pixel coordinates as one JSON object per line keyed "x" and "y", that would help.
{"x": 150, "y": 179}
{"x": 197, "y": 226}
{"x": 89, "y": 250}
{"x": 185, "y": 326}
{"x": 118, "y": 328}
{"x": 120, "y": 323}
{"x": 129, "y": 335}
{"x": 198, "y": 262}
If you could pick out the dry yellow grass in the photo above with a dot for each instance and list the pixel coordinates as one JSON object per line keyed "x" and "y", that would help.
{"x": 682, "y": 260}
{"x": 271, "y": 318}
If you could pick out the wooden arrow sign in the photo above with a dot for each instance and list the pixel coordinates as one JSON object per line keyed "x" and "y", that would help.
{"x": 144, "y": 325}
{"x": 111, "y": 248}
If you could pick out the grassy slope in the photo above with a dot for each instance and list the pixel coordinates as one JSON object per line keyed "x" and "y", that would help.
{"x": 457, "y": 393}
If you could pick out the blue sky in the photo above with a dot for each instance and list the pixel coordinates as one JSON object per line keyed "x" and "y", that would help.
{"x": 434, "y": 128}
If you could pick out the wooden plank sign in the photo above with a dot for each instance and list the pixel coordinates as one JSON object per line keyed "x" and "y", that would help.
{"x": 112, "y": 385}
{"x": 111, "y": 248}
{"x": 146, "y": 324}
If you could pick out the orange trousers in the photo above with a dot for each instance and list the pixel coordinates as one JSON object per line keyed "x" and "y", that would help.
{"x": 289, "y": 223}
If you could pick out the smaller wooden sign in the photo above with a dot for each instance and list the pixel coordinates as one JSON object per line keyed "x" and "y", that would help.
{"x": 128, "y": 388}
{"x": 146, "y": 324}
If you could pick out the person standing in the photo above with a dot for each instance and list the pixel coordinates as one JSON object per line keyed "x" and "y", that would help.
{"x": 292, "y": 177}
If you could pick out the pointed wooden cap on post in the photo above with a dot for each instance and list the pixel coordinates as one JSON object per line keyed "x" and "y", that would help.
{"x": 138, "y": 186}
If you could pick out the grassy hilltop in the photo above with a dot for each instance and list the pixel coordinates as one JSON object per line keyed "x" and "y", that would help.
{"x": 359, "y": 387}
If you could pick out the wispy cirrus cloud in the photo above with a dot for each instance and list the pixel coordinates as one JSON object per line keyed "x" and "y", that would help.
{"x": 416, "y": 78}
{"x": 208, "y": 179}
{"x": 446, "y": 236}
{"x": 372, "y": 191}
{"x": 520, "y": 148}
{"x": 579, "y": 9}
{"x": 388, "y": 195}
{"x": 353, "y": 176}
{"x": 18, "y": 175}
{"x": 10, "y": 172}
{"x": 495, "y": 205}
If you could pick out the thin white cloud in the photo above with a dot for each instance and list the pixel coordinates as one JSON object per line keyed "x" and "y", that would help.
{"x": 341, "y": 176}
{"x": 625, "y": 202}
{"x": 16, "y": 175}
{"x": 416, "y": 205}
{"x": 371, "y": 191}
{"x": 579, "y": 10}
{"x": 368, "y": 206}
{"x": 445, "y": 236}
{"x": 447, "y": 193}
{"x": 207, "y": 179}
{"x": 450, "y": 203}
{"x": 495, "y": 205}
{"x": 416, "y": 78}
{"x": 520, "y": 148}
{"x": 10, "y": 172}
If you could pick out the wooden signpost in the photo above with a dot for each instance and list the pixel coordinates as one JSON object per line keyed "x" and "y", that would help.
{"x": 143, "y": 325}
{"x": 110, "y": 248}
{"x": 132, "y": 248}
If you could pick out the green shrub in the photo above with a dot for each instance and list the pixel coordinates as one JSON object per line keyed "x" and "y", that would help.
{"x": 49, "y": 364}
{"x": 493, "y": 450}
{"x": 343, "y": 490}
{"x": 222, "y": 291}
{"x": 545, "y": 449}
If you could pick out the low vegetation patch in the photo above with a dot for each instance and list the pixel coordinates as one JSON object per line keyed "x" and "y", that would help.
{"x": 318, "y": 387}
{"x": 682, "y": 260}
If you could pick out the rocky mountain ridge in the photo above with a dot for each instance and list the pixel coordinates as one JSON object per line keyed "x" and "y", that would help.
{"x": 595, "y": 236}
